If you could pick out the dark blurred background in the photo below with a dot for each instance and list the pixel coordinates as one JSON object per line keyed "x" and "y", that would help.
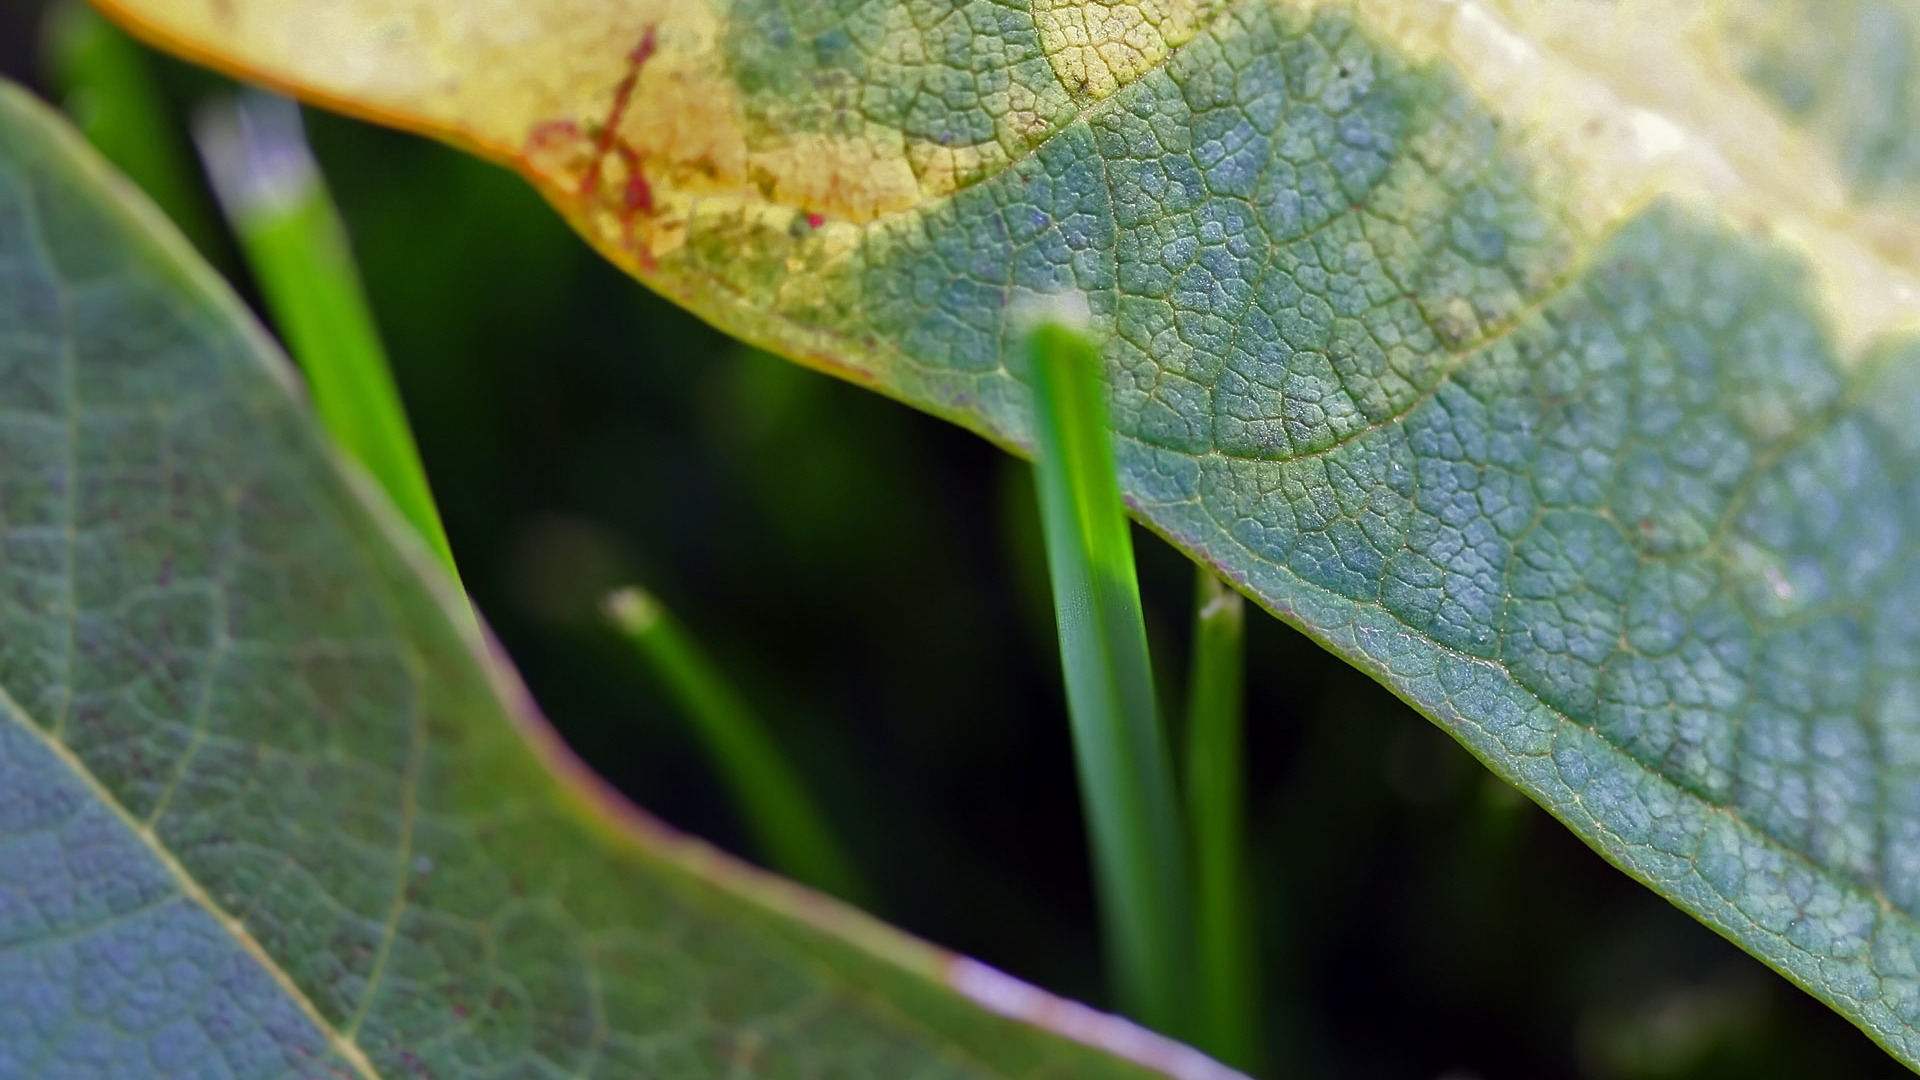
{"x": 873, "y": 580}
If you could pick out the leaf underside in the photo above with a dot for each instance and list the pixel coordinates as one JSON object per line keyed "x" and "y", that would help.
{"x": 265, "y": 812}
{"x": 1550, "y": 361}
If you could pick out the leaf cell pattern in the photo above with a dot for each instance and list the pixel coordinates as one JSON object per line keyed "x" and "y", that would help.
{"x": 1611, "y": 506}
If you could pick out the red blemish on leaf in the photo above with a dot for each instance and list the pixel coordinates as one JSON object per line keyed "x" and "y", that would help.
{"x": 815, "y": 221}
{"x": 622, "y": 98}
{"x": 610, "y": 170}
{"x": 639, "y": 194}
{"x": 553, "y": 133}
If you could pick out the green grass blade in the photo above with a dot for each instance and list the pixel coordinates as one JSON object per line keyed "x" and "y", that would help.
{"x": 1126, "y": 774}
{"x": 1227, "y": 1026}
{"x": 789, "y": 828}
{"x": 107, "y": 86}
{"x": 274, "y": 197}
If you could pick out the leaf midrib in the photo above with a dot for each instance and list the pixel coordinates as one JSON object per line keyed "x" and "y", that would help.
{"x": 191, "y": 889}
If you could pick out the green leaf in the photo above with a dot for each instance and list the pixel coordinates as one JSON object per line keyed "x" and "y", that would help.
{"x": 1552, "y": 361}
{"x": 266, "y": 809}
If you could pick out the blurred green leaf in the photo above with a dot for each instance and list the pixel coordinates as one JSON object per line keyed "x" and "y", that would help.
{"x": 110, "y": 91}
{"x": 267, "y": 810}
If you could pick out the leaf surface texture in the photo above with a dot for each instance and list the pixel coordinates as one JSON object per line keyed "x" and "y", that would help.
{"x": 1551, "y": 361}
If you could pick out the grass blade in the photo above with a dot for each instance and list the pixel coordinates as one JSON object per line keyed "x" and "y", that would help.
{"x": 1126, "y": 774}
{"x": 256, "y": 152}
{"x": 789, "y": 828}
{"x": 108, "y": 87}
{"x": 1227, "y": 1025}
